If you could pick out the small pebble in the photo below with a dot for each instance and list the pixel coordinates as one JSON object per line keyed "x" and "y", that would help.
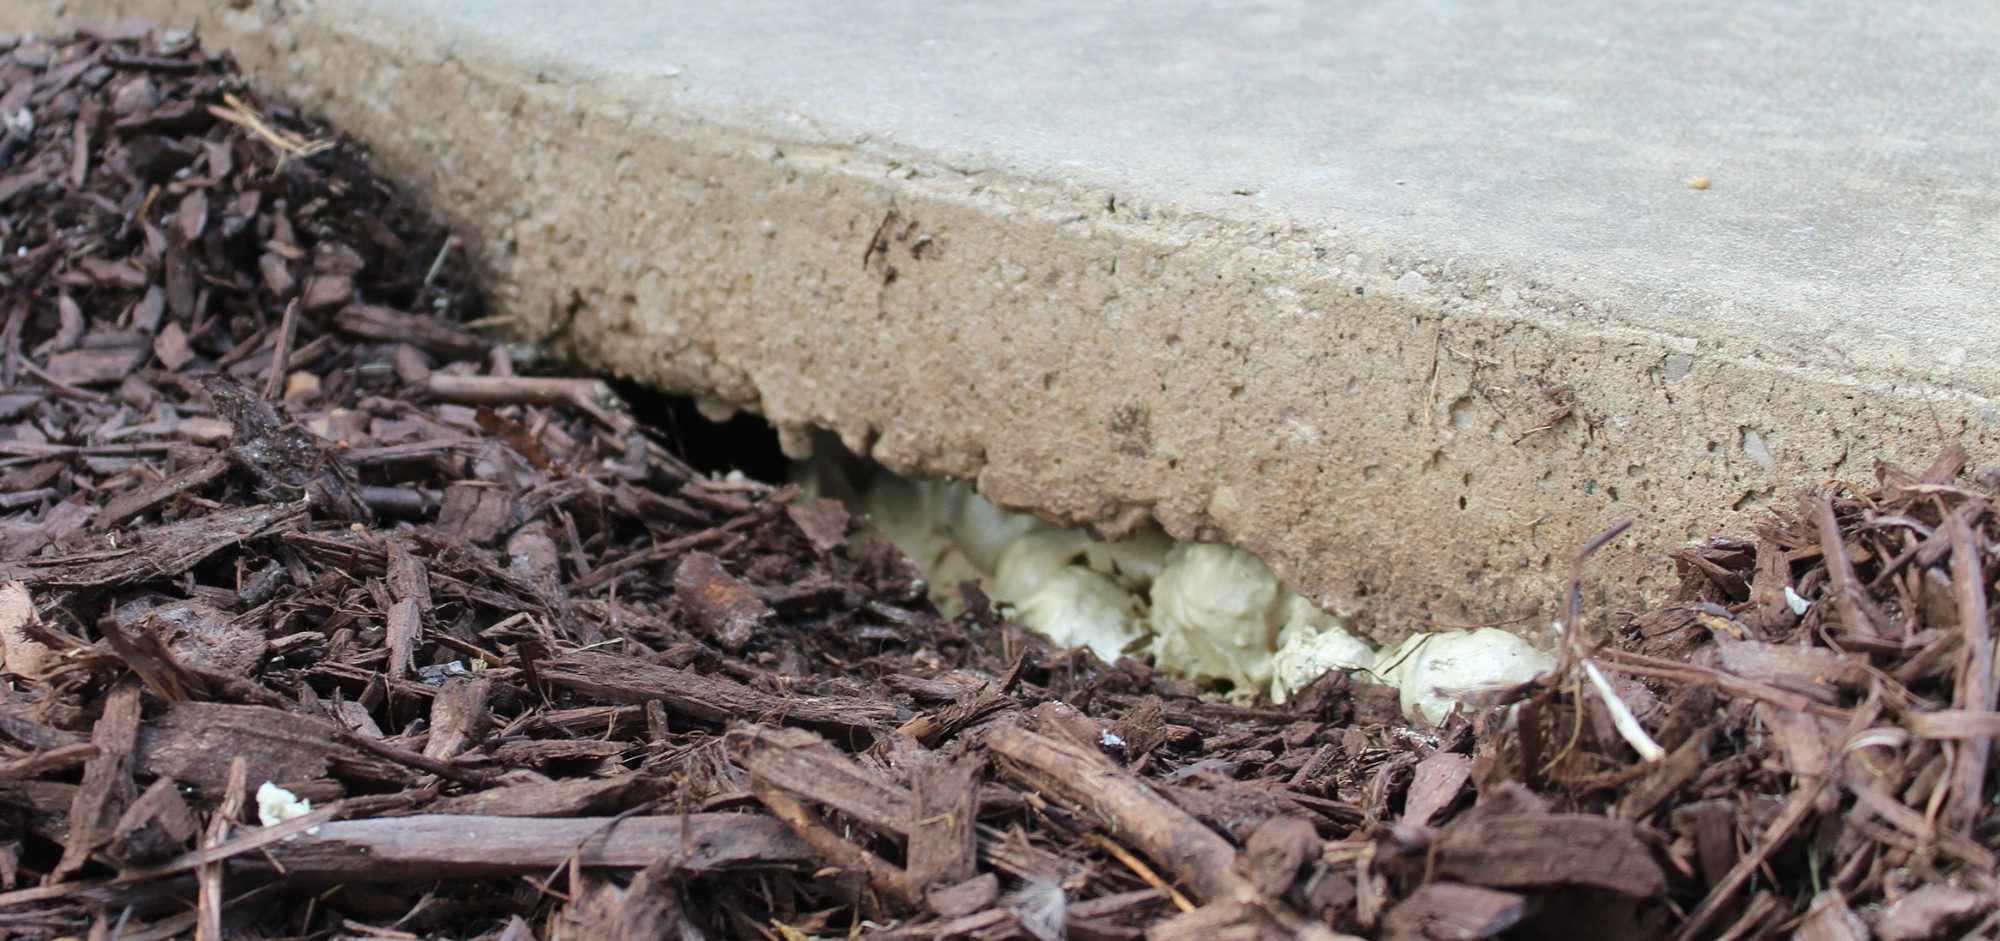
{"x": 301, "y": 385}
{"x": 34, "y": 55}
{"x": 135, "y": 96}
{"x": 205, "y": 430}
{"x": 173, "y": 42}
{"x": 1698, "y": 183}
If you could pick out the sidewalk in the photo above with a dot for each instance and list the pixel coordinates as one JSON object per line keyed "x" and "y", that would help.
{"x": 1410, "y": 300}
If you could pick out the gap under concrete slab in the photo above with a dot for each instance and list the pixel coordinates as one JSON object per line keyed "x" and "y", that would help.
{"x": 1409, "y": 300}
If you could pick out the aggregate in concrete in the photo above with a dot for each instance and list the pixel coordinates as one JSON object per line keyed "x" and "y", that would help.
{"x": 1409, "y": 298}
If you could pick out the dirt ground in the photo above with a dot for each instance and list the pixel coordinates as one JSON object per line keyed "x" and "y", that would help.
{"x": 276, "y": 510}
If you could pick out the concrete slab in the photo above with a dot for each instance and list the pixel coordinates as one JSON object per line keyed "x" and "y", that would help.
{"x": 1409, "y": 298}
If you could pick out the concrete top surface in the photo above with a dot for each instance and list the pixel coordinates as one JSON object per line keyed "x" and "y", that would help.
{"x": 1851, "y": 221}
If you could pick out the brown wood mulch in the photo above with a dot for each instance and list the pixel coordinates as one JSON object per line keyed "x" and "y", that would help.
{"x": 271, "y": 510}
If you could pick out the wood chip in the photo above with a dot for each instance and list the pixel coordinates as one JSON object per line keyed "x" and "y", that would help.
{"x": 107, "y": 787}
{"x": 21, "y": 654}
{"x": 943, "y": 845}
{"x": 1434, "y": 785}
{"x": 1276, "y": 852}
{"x": 279, "y": 746}
{"x": 1449, "y": 911}
{"x": 710, "y": 699}
{"x": 458, "y": 717}
{"x": 578, "y": 797}
{"x": 1929, "y": 911}
{"x": 1829, "y": 919}
{"x": 383, "y": 325}
{"x": 720, "y": 603}
{"x": 326, "y": 292}
{"x": 95, "y": 367}
{"x": 1230, "y": 919}
{"x": 1201, "y": 862}
{"x": 805, "y": 765}
{"x": 437, "y": 846}
{"x": 824, "y": 522}
{"x": 155, "y": 827}
{"x": 159, "y": 552}
{"x": 125, "y": 506}
{"x": 1537, "y": 850}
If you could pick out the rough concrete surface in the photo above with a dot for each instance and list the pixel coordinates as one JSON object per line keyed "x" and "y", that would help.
{"x": 1408, "y": 298}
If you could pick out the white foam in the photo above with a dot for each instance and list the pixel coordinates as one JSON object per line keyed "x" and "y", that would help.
{"x": 1206, "y": 612}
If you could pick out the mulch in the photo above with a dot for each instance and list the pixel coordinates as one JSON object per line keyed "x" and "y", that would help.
{"x": 274, "y": 509}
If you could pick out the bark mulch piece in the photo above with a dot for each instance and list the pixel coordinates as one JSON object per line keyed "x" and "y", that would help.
{"x": 279, "y": 525}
